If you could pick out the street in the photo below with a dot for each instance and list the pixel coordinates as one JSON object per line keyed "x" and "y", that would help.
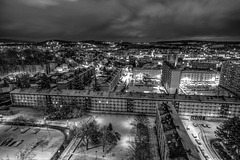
{"x": 204, "y": 135}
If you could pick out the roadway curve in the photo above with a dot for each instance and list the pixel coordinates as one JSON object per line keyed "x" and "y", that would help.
{"x": 213, "y": 153}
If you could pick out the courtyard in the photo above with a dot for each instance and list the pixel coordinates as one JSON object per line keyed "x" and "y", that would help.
{"x": 120, "y": 123}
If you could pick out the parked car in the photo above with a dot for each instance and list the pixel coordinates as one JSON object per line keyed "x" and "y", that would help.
{"x": 201, "y": 148}
{"x": 4, "y": 141}
{"x": 194, "y": 135}
{"x": 204, "y": 125}
{"x": 15, "y": 128}
{"x": 8, "y": 141}
{"x": 208, "y": 126}
{"x": 11, "y": 144}
{"x": 198, "y": 141}
{"x": 18, "y": 143}
{"x": 25, "y": 129}
{"x": 36, "y": 130}
{"x": 195, "y": 125}
{"x": 204, "y": 154}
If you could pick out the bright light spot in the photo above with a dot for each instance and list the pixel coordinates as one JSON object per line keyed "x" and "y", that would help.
{"x": 99, "y": 120}
{"x": 127, "y": 124}
{"x": 125, "y": 141}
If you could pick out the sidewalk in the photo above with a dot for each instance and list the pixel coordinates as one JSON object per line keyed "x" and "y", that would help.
{"x": 154, "y": 143}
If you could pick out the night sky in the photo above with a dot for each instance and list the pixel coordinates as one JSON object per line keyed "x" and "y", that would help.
{"x": 115, "y": 20}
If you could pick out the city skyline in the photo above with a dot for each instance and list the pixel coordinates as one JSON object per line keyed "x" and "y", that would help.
{"x": 135, "y": 21}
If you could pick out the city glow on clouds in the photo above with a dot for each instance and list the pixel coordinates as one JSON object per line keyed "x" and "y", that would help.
{"x": 131, "y": 20}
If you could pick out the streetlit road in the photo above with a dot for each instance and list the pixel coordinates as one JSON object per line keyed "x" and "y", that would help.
{"x": 201, "y": 135}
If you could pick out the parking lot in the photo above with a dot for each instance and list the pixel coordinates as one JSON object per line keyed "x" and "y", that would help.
{"x": 16, "y": 138}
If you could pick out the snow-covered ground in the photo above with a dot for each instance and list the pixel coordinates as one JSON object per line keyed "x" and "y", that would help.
{"x": 120, "y": 123}
{"x": 208, "y": 132}
{"x": 53, "y": 139}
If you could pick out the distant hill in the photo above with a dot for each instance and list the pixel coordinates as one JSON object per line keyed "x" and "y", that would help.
{"x": 13, "y": 40}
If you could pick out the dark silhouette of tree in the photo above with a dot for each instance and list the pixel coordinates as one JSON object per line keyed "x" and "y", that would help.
{"x": 77, "y": 83}
{"x": 87, "y": 131}
{"x": 110, "y": 127}
{"x": 96, "y": 85}
{"x": 109, "y": 138}
{"x": 25, "y": 81}
{"x": 229, "y": 131}
{"x": 32, "y": 121}
{"x": 18, "y": 82}
{"x": 43, "y": 142}
{"x": 20, "y": 119}
{"x": 140, "y": 148}
{"x": 44, "y": 82}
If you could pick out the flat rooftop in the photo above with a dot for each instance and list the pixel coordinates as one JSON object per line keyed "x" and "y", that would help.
{"x": 129, "y": 95}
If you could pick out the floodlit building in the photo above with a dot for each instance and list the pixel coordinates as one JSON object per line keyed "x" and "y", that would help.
{"x": 170, "y": 77}
{"x": 173, "y": 140}
{"x": 202, "y": 76}
{"x": 230, "y": 77}
{"x": 152, "y": 73}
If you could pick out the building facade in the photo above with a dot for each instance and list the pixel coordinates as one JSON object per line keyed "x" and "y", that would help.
{"x": 128, "y": 103}
{"x": 204, "y": 65}
{"x": 111, "y": 82}
{"x": 230, "y": 77}
{"x": 202, "y": 76}
{"x": 173, "y": 140}
{"x": 170, "y": 77}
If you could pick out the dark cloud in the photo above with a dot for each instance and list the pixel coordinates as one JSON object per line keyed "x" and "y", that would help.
{"x": 132, "y": 20}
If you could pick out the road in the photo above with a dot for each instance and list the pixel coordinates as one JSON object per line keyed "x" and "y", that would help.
{"x": 201, "y": 135}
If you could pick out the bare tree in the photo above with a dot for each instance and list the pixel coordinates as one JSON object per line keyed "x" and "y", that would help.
{"x": 25, "y": 154}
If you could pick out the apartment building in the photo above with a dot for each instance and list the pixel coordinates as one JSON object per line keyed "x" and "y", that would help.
{"x": 173, "y": 140}
{"x": 170, "y": 77}
{"x": 111, "y": 82}
{"x": 230, "y": 77}
{"x": 130, "y": 102}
